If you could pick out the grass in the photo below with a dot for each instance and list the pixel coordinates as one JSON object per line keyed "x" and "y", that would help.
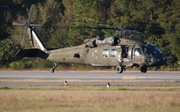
{"x": 96, "y": 87}
{"x": 84, "y": 98}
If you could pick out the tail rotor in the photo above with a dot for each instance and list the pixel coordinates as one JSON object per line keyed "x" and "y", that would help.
{"x": 27, "y": 25}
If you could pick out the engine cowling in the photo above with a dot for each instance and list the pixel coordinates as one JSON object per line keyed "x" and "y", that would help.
{"x": 105, "y": 41}
{"x": 94, "y": 42}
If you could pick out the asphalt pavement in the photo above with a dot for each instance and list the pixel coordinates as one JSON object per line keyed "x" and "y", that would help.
{"x": 89, "y": 78}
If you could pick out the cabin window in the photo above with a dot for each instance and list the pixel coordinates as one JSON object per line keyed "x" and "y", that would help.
{"x": 76, "y": 55}
{"x": 105, "y": 53}
{"x": 137, "y": 52}
{"x": 113, "y": 52}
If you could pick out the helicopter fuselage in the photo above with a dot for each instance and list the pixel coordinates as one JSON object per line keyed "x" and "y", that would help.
{"x": 122, "y": 52}
{"x": 141, "y": 55}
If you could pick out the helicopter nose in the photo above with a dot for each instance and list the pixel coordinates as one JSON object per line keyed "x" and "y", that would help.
{"x": 159, "y": 60}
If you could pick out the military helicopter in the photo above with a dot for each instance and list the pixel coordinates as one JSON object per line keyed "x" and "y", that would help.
{"x": 117, "y": 51}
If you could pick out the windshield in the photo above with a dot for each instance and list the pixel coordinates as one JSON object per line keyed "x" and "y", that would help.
{"x": 157, "y": 49}
{"x": 154, "y": 49}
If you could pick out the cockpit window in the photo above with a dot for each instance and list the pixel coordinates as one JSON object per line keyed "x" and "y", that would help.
{"x": 137, "y": 52}
{"x": 146, "y": 50}
{"x": 154, "y": 49}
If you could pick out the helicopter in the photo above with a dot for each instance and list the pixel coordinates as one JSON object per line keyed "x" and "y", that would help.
{"x": 117, "y": 51}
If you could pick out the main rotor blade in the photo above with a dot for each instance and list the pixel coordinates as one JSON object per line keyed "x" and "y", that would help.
{"x": 120, "y": 28}
{"x": 79, "y": 27}
{"x": 36, "y": 25}
{"x": 105, "y": 25}
{"x": 18, "y": 23}
{"x": 133, "y": 31}
{"x": 30, "y": 13}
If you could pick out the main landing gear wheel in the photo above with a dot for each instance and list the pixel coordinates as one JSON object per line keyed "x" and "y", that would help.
{"x": 143, "y": 69}
{"x": 119, "y": 69}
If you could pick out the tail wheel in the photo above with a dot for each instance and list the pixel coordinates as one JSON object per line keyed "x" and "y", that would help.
{"x": 143, "y": 69}
{"x": 52, "y": 70}
{"x": 119, "y": 69}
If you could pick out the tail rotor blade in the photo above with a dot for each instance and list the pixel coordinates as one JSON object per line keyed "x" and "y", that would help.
{"x": 18, "y": 23}
{"x": 30, "y": 13}
{"x": 24, "y": 34}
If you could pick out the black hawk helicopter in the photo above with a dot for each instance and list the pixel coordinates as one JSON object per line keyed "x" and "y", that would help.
{"x": 118, "y": 51}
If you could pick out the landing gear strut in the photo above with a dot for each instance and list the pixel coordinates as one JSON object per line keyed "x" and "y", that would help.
{"x": 54, "y": 67}
{"x": 119, "y": 69}
{"x": 143, "y": 69}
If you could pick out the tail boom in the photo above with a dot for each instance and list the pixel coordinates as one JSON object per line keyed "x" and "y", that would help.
{"x": 31, "y": 53}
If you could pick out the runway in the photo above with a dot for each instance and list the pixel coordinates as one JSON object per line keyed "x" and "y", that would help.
{"x": 88, "y": 78}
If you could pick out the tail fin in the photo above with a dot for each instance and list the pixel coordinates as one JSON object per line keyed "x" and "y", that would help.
{"x": 39, "y": 49}
{"x": 35, "y": 40}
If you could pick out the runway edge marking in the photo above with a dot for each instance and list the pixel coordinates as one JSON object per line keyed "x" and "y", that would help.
{"x": 128, "y": 77}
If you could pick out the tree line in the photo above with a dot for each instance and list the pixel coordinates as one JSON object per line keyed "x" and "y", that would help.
{"x": 141, "y": 14}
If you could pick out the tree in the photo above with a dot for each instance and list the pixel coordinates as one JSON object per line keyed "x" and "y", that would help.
{"x": 7, "y": 52}
{"x": 140, "y": 14}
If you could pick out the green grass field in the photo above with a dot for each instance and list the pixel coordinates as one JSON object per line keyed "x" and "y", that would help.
{"x": 82, "y": 98}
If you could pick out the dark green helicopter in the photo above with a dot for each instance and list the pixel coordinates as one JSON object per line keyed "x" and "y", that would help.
{"x": 117, "y": 51}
